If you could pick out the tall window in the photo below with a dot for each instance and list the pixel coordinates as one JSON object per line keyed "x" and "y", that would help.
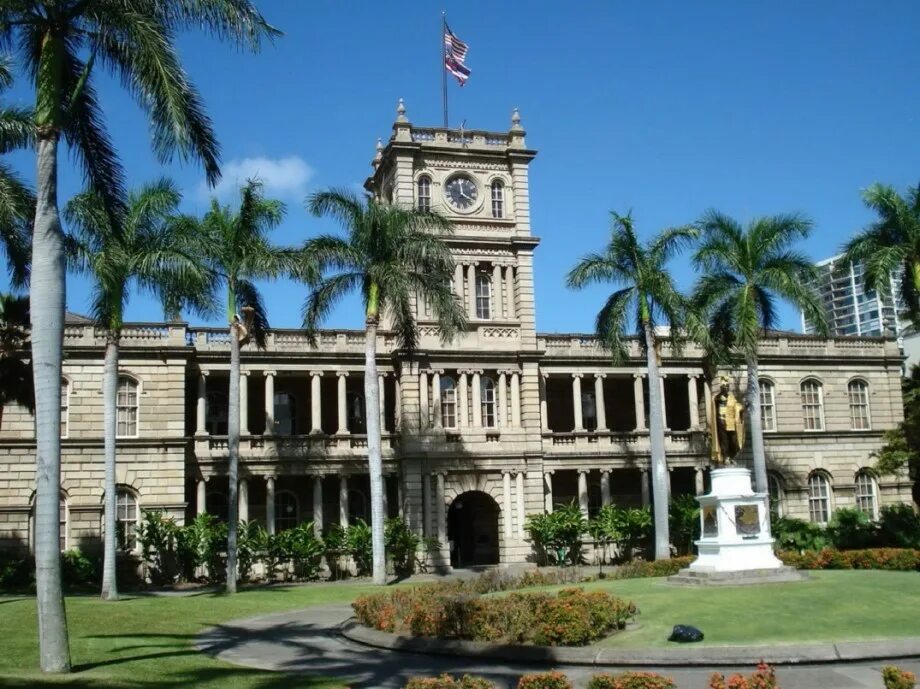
{"x": 424, "y": 193}
{"x": 448, "y": 402}
{"x": 819, "y": 498}
{"x": 286, "y": 512}
{"x": 488, "y": 400}
{"x": 126, "y": 520}
{"x": 355, "y": 413}
{"x": 866, "y": 500}
{"x": 859, "y": 404}
{"x": 498, "y": 199}
{"x": 767, "y": 405}
{"x": 65, "y": 407}
{"x": 62, "y": 520}
{"x": 285, "y": 413}
{"x": 775, "y": 489}
{"x": 127, "y": 407}
{"x": 216, "y": 412}
{"x": 483, "y": 297}
{"x": 812, "y": 405}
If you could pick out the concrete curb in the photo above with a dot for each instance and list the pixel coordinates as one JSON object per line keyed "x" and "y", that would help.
{"x": 681, "y": 656}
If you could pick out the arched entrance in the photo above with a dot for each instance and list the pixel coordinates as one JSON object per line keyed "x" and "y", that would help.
{"x": 472, "y": 529}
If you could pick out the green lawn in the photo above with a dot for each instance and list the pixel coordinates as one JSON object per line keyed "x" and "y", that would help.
{"x": 143, "y": 643}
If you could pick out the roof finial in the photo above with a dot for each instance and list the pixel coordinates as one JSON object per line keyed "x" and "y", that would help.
{"x": 515, "y": 119}
{"x": 401, "y": 111}
{"x": 378, "y": 156}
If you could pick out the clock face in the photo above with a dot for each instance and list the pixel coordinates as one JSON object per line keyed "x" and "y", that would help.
{"x": 461, "y": 191}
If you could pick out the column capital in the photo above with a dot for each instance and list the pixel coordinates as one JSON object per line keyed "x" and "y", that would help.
{"x": 578, "y": 375}
{"x": 662, "y": 374}
{"x": 549, "y": 472}
{"x": 506, "y": 371}
{"x": 606, "y": 471}
{"x": 640, "y": 375}
{"x": 643, "y": 470}
{"x": 204, "y": 373}
{"x": 269, "y": 477}
{"x": 464, "y": 371}
{"x": 269, "y": 373}
{"x": 439, "y": 371}
{"x": 544, "y": 374}
{"x": 602, "y": 376}
{"x": 476, "y": 371}
{"x": 245, "y": 373}
{"x": 693, "y": 376}
{"x": 315, "y": 373}
{"x": 584, "y": 471}
{"x": 382, "y": 374}
{"x": 342, "y": 374}
{"x": 317, "y": 476}
{"x": 507, "y": 472}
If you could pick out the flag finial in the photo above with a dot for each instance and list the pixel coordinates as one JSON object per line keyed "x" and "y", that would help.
{"x": 515, "y": 119}
{"x": 401, "y": 111}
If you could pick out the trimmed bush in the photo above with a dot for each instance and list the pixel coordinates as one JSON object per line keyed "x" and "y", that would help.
{"x": 639, "y": 569}
{"x": 763, "y": 677}
{"x": 445, "y": 681}
{"x": 544, "y": 680}
{"x": 631, "y": 680}
{"x": 896, "y": 559}
{"x": 896, "y": 678}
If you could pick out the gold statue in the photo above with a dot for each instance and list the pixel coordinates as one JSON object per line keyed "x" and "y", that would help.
{"x": 726, "y": 424}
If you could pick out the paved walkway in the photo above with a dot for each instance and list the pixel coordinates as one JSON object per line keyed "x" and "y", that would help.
{"x": 308, "y": 642}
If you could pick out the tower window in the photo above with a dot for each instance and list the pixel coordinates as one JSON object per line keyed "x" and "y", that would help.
{"x": 487, "y": 398}
{"x": 423, "y": 195}
{"x": 483, "y": 297}
{"x": 498, "y": 199}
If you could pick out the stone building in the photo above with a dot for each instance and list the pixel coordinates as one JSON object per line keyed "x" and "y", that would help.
{"x": 502, "y": 423}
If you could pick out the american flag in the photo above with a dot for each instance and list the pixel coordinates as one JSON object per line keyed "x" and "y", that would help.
{"x": 454, "y": 55}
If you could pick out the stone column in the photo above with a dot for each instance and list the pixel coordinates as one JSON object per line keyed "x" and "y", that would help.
{"x": 476, "y": 401}
{"x": 316, "y": 402}
{"x": 426, "y": 505}
{"x": 381, "y": 388}
{"x": 201, "y": 496}
{"x": 318, "y": 505}
{"x": 506, "y": 503}
{"x": 270, "y": 504}
{"x": 639, "y": 394}
{"x": 576, "y": 401}
{"x": 599, "y": 405}
{"x": 463, "y": 400}
{"x": 244, "y": 500}
{"x": 700, "y": 480}
{"x": 644, "y": 487}
{"x": 605, "y": 487}
{"x": 343, "y": 402}
{"x": 516, "y": 399}
{"x": 519, "y": 491}
{"x": 439, "y": 508}
{"x": 436, "y": 398}
{"x": 509, "y": 292}
{"x": 502, "y": 411}
{"x": 693, "y": 399}
{"x": 583, "y": 491}
{"x": 244, "y": 402}
{"x": 664, "y": 406}
{"x": 201, "y": 407}
{"x": 269, "y": 403}
{"x": 544, "y": 414}
{"x": 424, "y": 416}
{"x": 548, "y": 491}
{"x": 471, "y": 288}
{"x": 496, "y": 291}
{"x": 343, "y": 501}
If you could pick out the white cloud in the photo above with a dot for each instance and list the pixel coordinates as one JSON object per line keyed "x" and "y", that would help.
{"x": 285, "y": 178}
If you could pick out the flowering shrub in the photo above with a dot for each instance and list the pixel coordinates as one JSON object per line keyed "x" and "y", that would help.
{"x": 631, "y": 680}
{"x": 571, "y": 618}
{"x": 445, "y": 681}
{"x": 638, "y": 569}
{"x": 763, "y": 677}
{"x": 896, "y": 678}
{"x": 544, "y": 680}
{"x": 900, "y": 559}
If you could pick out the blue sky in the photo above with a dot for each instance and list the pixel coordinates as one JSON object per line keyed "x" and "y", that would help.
{"x": 665, "y": 108}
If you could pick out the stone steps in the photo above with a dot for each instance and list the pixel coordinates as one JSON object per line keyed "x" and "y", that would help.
{"x": 688, "y": 577}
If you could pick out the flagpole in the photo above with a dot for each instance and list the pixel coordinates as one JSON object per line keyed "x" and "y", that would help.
{"x": 441, "y": 62}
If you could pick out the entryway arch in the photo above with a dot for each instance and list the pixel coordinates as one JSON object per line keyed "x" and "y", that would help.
{"x": 472, "y": 529}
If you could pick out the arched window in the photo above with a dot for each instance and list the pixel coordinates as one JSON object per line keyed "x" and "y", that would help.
{"x": 423, "y": 193}
{"x": 819, "y": 498}
{"x": 285, "y": 413}
{"x": 858, "y": 393}
{"x": 866, "y": 495}
{"x": 812, "y": 404}
{"x": 127, "y": 407}
{"x": 126, "y": 515}
{"x": 287, "y": 512}
{"x": 483, "y": 296}
{"x": 777, "y": 496}
{"x": 488, "y": 400}
{"x": 498, "y": 199}
{"x": 355, "y": 409}
{"x": 448, "y": 402}
{"x": 216, "y": 412}
{"x": 767, "y": 405}
{"x": 65, "y": 407}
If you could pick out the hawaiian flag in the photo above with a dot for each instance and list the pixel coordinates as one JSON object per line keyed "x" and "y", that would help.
{"x": 454, "y": 55}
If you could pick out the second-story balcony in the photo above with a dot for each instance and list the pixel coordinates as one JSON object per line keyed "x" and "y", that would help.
{"x": 623, "y": 443}
{"x": 314, "y": 446}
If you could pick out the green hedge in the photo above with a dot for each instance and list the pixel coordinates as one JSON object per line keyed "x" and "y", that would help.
{"x": 898, "y": 559}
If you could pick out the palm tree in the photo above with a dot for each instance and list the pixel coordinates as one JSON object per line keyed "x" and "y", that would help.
{"x": 17, "y": 202}
{"x": 146, "y": 251}
{"x": 390, "y": 254}
{"x": 647, "y": 294}
{"x": 235, "y": 246}
{"x": 891, "y": 244}
{"x": 62, "y": 43}
{"x": 744, "y": 271}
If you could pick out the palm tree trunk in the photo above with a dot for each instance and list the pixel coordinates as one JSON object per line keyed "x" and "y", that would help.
{"x": 756, "y": 424}
{"x": 233, "y": 445}
{"x": 110, "y": 412}
{"x": 656, "y": 441}
{"x": 47, "y": 300}
{"x": 374, "y": 457}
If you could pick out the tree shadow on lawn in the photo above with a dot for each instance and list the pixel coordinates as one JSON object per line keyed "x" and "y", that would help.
{"x": 211, "y": 676}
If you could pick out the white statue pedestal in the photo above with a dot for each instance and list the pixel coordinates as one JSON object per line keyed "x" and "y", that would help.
{"x": 735, "y": 545}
